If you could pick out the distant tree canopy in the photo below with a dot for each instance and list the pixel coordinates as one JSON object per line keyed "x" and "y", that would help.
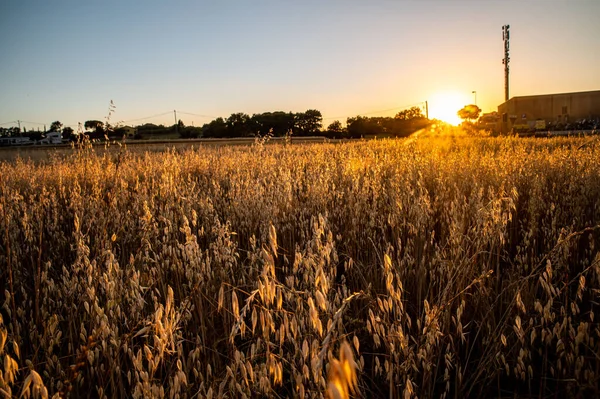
{"x": 151, "y": 130}
{"x": 67, "y": 133}
{"x": 94, "y": 129}
{"x": 336, "y": 130}
{"x": 216, "y": 128}
{"x": 276, "y": 124}
{"x": 33, "y": 135}
{"x": 56, "y": 126}
{"x": 413, "y": 113}
{"x": 239, "y": 125}
{"x": 94, "y": 126}
{"x": 469, "y": 112}
{"x": 308, "y": 123}
{"x": 9, "y": 131}
{"x": 188, "y": 132}
{"x": 364, "y": 126}
{"x": 403, "y": 124}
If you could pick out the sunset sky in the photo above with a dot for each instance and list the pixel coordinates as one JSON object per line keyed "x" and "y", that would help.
{"x": 65, "y": 60}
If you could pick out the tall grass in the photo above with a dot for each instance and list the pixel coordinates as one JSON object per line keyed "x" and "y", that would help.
{"x": 455, "y": 268}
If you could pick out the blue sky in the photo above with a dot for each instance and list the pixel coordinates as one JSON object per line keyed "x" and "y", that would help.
{"x": 65, "y": 60}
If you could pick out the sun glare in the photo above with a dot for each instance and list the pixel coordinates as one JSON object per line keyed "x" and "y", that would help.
{"x": 444, "y": 106}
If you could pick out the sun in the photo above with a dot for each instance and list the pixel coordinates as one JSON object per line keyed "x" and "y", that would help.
{"x": 445, "y": 105}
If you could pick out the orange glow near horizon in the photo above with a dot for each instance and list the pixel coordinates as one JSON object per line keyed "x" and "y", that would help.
{"x": 445, "y": 105}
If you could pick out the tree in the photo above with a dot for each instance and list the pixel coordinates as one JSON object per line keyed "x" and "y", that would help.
{"x": 150, "y": 130}
{"x": 96, "y": 129}
{"x": 411, "y": 113}
{"x": 469, "y": 112}
{"x": 238, "y": 125}
{"x": 56, "y": 126}
{"x": 276, "y": 123}
{"x": 216, "y": 128}
{"x": 281, "y": 123}
{"x": 120, "y": 132}
{"x": 10, "y": 131}
{"x": 67, "y": 133}
{"x": 190, "y": 132}
{"x": 335, "y": 129}
{"x": 406, "y": 122}
{"x": 308, "y": 123}
{"x": 364, "y": 126}
{"x": 94, "y": 125}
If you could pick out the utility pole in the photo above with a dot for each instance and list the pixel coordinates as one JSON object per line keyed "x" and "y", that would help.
{"x": 506, "y": 59}
{"x": 475, "y": 93}
{"x": 176, "y": 124}
{"x": 19, "y": 122}
{"x": 426, "y": 110}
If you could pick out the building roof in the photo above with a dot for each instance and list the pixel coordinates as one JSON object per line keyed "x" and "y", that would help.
{"x": 556, "y": 94}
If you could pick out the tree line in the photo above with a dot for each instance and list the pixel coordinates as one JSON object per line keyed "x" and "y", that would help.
{"x": 273, "y": 124}
{"x": 310, "y": 123}
{"x": 67, "y": 132}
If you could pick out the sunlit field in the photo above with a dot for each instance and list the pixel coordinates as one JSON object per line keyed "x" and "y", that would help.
{"x": 436, "y": 268}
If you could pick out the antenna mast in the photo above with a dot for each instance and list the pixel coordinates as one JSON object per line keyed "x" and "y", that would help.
{"x": 506, "y": 59}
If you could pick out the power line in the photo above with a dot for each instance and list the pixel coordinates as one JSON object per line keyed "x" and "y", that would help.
{"x": 202, "y": 116}
{"x": 8, "y": 123}
{"x": 147, "y": 117}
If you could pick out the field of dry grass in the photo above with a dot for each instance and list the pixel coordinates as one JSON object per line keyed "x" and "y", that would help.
{"x": 42, "y": 153}
{"x": 453, "y": 267}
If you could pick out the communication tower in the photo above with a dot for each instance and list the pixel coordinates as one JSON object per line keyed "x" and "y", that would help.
{"x": 506, "y": 59}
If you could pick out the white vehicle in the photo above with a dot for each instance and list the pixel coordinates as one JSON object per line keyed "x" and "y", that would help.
{"x": 52, "y": 138}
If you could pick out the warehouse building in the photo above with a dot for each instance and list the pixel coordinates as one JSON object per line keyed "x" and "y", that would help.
{"x": 547, "y": 111}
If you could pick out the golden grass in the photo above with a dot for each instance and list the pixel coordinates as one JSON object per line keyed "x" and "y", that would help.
{"x": 456, "y": 268}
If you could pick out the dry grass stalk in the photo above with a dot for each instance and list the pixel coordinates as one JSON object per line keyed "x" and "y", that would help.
{"x": 458, "y": 267}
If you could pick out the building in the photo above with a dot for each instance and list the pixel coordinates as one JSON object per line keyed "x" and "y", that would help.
{"x": 541, "y": 111}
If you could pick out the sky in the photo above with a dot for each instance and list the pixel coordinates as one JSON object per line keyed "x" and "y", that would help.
{"x": 66, "y": 60}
